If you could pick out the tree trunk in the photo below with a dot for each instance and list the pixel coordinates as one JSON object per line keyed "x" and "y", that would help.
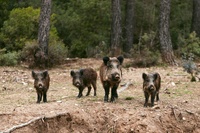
{"x": 41, "y": 55}
{"x": 129, "y": 26}
{"x": 164, "y": 34}
{"x": 196, "y": 17}
{"x": 116, "y": 30}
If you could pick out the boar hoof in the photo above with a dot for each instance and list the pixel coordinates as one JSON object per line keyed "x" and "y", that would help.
{"x": 145, "y": 105}
{"x": 45, "y": 101}
{"x": 112, "y": 99}
{"x": 79, "y": 96}
{"x": 105, "y": 99}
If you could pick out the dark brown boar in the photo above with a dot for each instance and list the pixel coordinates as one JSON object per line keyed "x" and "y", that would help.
{"x": 41, "y": 84}
{"x": 151, "y": 86}
{"x": 84, "y": 78}
{"x": 110, "y": 75}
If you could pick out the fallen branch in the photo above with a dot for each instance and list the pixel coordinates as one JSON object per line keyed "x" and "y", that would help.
{"x": 189, "y": 112}
{"x": 42, "y": 118}
{"x": 124, "y": 87}
{"x": 173, "y": 112}
{"x": 166, "y": 86}
{"x": 22, "y": 125}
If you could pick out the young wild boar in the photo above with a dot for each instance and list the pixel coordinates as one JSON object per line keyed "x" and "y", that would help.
{"x": 110, "y": 75}
{"x": 41, "y": 84}
{"x": 84, "y": 78}
{"x": 151, "y": 86}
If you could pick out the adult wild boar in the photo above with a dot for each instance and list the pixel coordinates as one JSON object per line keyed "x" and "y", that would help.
{"x": 41, "y": 84}
{"x": 110, "y": 75}
{"x": 151, "y": 86}
{"x": 84, "y": 78}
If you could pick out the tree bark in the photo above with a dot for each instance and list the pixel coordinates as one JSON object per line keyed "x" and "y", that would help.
{"x": 41, "y": 55}
{"x": 116, "y": 30}
{"x": 196, "y": 17}
{"x": 164, "y": 34}
{"x": 129, "y": 26}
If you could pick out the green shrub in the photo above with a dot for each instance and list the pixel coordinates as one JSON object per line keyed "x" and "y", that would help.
{"x": 191, "y": 45}
{"x": 146, "y": 58}
{"x": 27, "y": 54}
{"x": 22, "y": 25}
{"x": 57, "y": 53}
{"x": 9, "y": 59}
{"x": 145, "y": 53}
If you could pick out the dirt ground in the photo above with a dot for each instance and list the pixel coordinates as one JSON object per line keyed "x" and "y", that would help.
{"x": 178, "y": 110}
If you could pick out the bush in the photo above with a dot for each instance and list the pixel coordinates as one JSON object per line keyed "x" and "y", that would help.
{"x": 22, "y": 25}
{"x": 146, "y": 58}
{"x": 145, "y": 53}
{"x": 57, "y": 53}
{"x": 191, "y": 45}
{"x": 27, "y": 54}
{"x": 9, "y": 59}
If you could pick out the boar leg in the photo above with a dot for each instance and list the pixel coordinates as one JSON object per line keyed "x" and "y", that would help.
{"x": 39, "y": 97}
{"x": 106, "y": 87}
{"x": 114, "y": 93}
{"x": 44, "y": 97}
{"x": 146, "y": 98}
{"x": 80, "y": 92}
{"x": 89, "y": 89}
{"x": 153, "y": 94}
{"x": 94, "y": 87}
{"x": 157, "y": 96}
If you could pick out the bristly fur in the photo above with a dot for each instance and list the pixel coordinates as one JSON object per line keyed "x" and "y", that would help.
{"x": 110, "y": 75}
{"x": 84, "y": 78}
{"x": 151, "y": 87}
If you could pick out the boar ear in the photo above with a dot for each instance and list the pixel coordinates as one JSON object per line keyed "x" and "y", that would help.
{"x": 144, "y": 75}
{"x": 72, "y": 73}
{"x": 121, "y": 59}
{"x": 33, "y": 74}
{"x": 81, "y": 72}
{"x": 155, "y": 76}
{"x": 105, "y": 60}
{"x": 45, "y": 73}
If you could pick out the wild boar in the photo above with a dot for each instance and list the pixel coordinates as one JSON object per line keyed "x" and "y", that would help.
{"x": 151, "y": 86}
{"x": 110, "y": 75}
{"x": 41, "y": 84}
{"x": 84, "y": 78}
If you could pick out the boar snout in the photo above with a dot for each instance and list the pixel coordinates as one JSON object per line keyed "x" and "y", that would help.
{"x": 116, "y": 76}
{"x": 77, "y": 84}
{"x": 151, "y": 87}
{"x": 40, "y": 85}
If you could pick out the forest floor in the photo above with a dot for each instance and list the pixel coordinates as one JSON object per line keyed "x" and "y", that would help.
{"x": 178, "y": 110}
